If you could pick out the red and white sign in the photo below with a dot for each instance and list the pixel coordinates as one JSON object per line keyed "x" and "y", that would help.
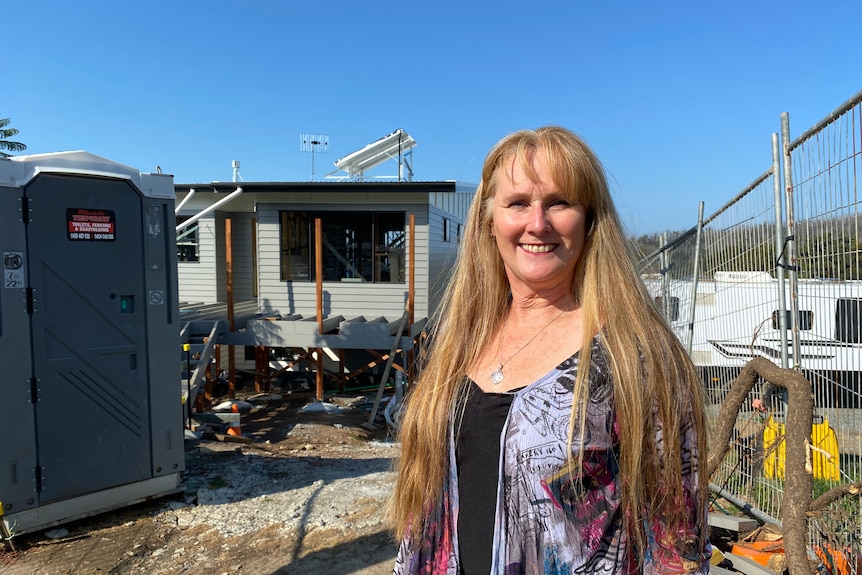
{"x": 91, "y": 225}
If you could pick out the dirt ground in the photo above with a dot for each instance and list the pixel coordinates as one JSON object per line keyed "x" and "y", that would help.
{"x": 305, "y": 497}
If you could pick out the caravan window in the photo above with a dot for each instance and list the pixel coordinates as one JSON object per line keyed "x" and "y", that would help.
{"x": 805, "y": 319}
{"x": 669, "y": 310}
{"x": 848, "y": 320}
{"x": 357, "y": 246}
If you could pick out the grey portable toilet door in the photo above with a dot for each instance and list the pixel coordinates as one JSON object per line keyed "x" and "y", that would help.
{"x": 85, "y": 261}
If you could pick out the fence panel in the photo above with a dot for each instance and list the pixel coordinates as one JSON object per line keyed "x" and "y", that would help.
{"x": 824, "y": 177}
{"x": 731, "y": 318}
{"x": 749, "y": 282}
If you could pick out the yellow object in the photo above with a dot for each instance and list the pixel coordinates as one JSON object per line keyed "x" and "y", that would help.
{"x": 187, "y": 346}
{"x": 824, "y": 458}
{"x": 773, "y": 462}
{"x": 717, "y": 557}
{"x": 823, "y": 438}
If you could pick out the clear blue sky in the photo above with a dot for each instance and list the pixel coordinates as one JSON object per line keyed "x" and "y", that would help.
{"x": 678, "y": 98}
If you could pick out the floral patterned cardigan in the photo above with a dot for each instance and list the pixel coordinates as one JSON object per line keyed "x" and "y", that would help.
{"x": 548, "y": 522}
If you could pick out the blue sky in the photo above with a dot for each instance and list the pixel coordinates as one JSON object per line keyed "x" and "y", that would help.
{"x": 679, "y": 99}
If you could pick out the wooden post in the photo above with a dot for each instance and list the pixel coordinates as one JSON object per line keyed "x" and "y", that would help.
{"x": 264, "y": 352}
{"x": 261, "y": 369}
{"x": 341, "y": 371}
{"x": 228, "y": 256}
{"x": 318, "y": 272}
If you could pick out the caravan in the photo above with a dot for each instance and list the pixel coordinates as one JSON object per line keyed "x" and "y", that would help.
{"x": 735, "y": 316}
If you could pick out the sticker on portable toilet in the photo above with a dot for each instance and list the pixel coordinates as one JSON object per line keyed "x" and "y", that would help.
{"x": 91, "y": 225}
{"x": 154, "y": 221}
{"x": 157, "y": 297}
{"x": 13, "y": 269}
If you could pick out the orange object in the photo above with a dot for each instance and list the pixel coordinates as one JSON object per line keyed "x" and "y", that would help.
{"x": 234, "y": 428}
{"x": 837, "y": 562}
{"x": 759, "y": 551}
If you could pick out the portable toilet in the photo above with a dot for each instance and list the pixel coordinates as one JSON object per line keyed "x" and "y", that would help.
{"x": 89, "y": 339}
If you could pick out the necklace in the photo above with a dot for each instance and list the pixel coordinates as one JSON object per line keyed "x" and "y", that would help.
{"x": 497, "y": 375}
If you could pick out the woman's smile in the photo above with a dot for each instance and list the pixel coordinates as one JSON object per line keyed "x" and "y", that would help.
{"x": 539, "y": 248}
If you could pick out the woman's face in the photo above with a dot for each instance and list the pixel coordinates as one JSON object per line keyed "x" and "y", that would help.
{"x": 539, "y": 233}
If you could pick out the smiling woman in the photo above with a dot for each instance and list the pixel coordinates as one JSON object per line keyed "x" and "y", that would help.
{"x": 540, "y": 231}
{"x": 556, "y": 425}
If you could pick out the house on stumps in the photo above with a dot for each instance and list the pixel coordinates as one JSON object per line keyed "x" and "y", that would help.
{"x": 337, "y": 276}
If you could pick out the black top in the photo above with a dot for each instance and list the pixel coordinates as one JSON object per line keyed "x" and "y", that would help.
{"x": 477, "y": 455}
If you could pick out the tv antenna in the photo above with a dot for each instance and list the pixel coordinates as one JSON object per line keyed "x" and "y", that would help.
{"x": 236, "y": 177}
{"x": 313, "y": 143}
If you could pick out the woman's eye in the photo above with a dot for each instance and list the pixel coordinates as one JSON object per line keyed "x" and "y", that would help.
{"x": 559, "y": 204}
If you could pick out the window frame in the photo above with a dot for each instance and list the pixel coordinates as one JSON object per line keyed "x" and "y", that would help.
{"x": 674, "y": 308}
{"x": 191, "y": 245}
{"x": 367, "y": 257}
{"x": 848, "y": 319}
{"x": 805, "y": 319}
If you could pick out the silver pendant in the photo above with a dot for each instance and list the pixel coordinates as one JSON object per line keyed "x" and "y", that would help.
{"x": 497, "y": 376}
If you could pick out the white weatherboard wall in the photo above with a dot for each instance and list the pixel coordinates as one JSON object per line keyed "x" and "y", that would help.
{"x": 441, "y": 255}
{"x": 242, "y": 256}
{"x": 197, "y": 279}
{"x": 205, "y": 281}
{"x": 443, "y": 252}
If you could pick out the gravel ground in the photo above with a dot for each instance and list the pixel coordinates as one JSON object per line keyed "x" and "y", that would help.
{"x": 307, "y": 496}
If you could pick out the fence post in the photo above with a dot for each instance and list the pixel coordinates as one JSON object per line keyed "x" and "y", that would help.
{"x": 791, "y": 241}
{"x": 779, "y": 250}
{"x": 694, "y": 277}
{"x": 664, "y": 263}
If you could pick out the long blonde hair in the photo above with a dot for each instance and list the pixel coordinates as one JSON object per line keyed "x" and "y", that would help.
{"x": 653, "y": 377}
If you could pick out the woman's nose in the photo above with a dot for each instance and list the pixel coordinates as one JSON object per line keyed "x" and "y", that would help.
{"x": 538, "y": 221}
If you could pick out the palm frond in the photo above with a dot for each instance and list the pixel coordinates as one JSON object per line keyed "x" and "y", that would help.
{"x": 5, "y": 143}
{"x": 12, "y": 146}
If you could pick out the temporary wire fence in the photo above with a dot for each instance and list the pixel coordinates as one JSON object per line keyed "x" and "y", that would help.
{"x": 824, "y": 173}
{"x": 775, "y": 273}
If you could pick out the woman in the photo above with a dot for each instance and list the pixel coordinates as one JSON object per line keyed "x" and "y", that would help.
{"x": 557, "y": 423}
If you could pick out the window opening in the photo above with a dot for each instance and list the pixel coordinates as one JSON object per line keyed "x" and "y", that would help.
{"x": 848, "y": 320}
{"x": 357, "y": 247}
{"x": 187, "y": 242}
{"x": 805, "y": 319}
{"x": 671, "y": 310}
{"x": 295, "y": 254}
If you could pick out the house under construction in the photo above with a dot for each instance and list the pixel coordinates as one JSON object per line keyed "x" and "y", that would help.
{"x": 336, "y": 277}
